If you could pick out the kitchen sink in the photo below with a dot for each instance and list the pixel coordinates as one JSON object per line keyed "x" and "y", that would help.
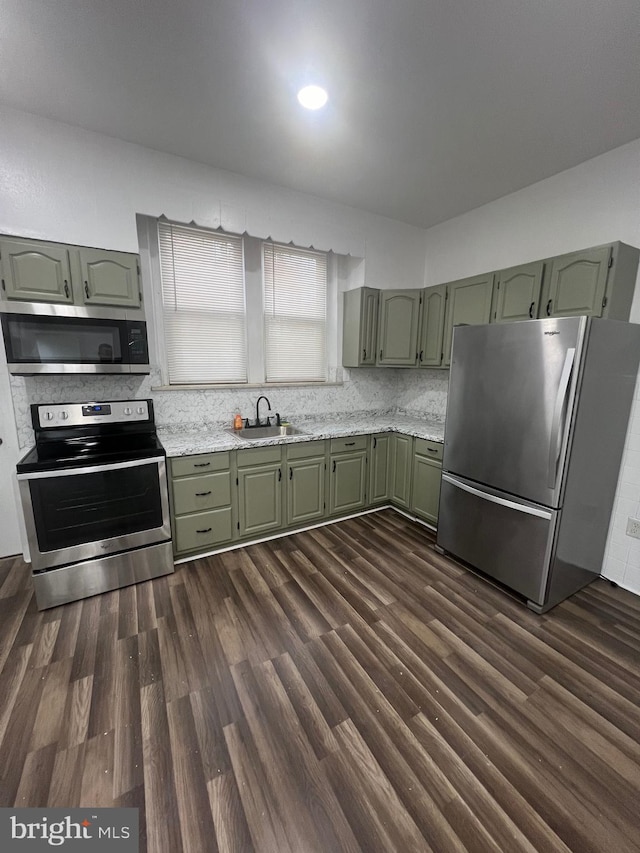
{"x": 256, "y": 433}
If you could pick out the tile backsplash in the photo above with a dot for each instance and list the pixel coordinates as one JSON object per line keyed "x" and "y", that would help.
{"x": 373, "y": 389}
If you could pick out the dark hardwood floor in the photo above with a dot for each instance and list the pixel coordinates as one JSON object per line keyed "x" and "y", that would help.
{"x": 342, "y": 689}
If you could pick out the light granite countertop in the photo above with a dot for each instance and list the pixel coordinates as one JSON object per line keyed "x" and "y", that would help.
{"x": 188, "y": 439}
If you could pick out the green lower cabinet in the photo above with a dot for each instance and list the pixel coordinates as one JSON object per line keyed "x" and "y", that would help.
{"x": 348, "y": 479}
{"x": 427, "y": 468}
{"x": 305, "y": 490}
{"x": 203, "y": 530}
{"x": 380, "y": 460}
{"x": 401, "y": 459}
{"x": 202, "y": 502}
{"x": 259, "y": 499}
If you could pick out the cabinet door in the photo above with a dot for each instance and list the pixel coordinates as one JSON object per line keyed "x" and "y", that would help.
{"x": 109, "y": 278}
{"x": 259, "y": 499}
{"x": 434, "y": 301}
{"x": 469, "y": 304}
{"x": 426, "y": 488}
{"x": 37, "y": 272}
{"x": 379, "y": 467}
{"x": 369, "y": 324}
{"x": 517, "y": 293}
{"x": 359, "y": 326}
{"x": 398, "y": 327}
{"x": 577, "y": 283}
{"x": 348, "y": 480}
{"x": 401, "y": 459}
{"x": 305, "y": 490}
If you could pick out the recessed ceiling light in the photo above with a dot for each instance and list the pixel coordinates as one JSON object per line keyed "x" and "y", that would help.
{"x": 313, "y": 97}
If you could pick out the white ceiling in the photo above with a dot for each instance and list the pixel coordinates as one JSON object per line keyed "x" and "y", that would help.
{"x": 437, "y": 106}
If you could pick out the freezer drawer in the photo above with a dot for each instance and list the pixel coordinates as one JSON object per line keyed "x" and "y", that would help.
{"x": 508, "y": 539}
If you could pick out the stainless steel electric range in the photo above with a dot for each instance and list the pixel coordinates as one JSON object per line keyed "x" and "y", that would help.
{"x": 95, "y": 500}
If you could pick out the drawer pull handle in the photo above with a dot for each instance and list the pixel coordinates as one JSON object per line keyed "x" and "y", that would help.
{"x": 203, "y": 494}
{"x": 201, "y": 464}
{"x": 349, "y": 443}
{"x": 431, "y": 450}
{"x": 206, "y": 530}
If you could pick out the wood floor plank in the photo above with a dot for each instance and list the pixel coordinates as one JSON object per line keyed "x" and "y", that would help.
{"x": 343, "y": 689}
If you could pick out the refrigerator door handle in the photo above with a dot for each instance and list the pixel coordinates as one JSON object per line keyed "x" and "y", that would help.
{"x": 494, "y": 499}
{"x": 555, "y": 442}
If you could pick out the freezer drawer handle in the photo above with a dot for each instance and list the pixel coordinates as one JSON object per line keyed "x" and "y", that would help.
{"x": 555, "y": 444}
{"x": 494, "y": 499}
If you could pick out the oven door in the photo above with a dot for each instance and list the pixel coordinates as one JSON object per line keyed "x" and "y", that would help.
{"x": 76, "y": 514}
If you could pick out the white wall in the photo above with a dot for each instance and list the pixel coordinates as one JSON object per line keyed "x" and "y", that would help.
{"x": 596, "y": 202}
{"x": 65, "y": 184}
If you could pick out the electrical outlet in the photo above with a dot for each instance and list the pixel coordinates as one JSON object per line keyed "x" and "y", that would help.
{"x": 633, "y": 527}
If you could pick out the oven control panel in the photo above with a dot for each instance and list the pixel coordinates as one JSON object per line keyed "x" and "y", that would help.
{"x": 81, "y": 414}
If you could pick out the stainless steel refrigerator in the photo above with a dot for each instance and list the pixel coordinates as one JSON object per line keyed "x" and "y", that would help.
{"x": 537, "y": 416}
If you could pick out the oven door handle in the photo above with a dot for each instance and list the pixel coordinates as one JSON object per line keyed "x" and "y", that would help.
{"x": 90, "y": 469}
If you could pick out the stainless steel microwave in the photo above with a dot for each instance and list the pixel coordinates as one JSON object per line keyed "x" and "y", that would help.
{"x": 41, "y": 338}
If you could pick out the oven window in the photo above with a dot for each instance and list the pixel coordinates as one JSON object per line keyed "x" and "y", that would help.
{"x": 82, "y": 508}
{"x": 62, "y": 340}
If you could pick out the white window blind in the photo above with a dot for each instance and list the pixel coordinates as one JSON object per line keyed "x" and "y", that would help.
{"x": 204, "y": 305}
{"x": 295, "y": 313}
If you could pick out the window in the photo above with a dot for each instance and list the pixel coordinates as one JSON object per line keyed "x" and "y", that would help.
{"x": 240, "y": 310}
{"x": 295, "y": 313}
{"x": 203, "y": 304}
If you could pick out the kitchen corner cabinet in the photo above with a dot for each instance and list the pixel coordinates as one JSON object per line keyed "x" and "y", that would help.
{"x": 468, "y": 304}
{"x": 517, "y": 293}
{"x": 379, "y": 467}
{"x": 427, "y": 471}
{"x": 260, "y": 491}
{"x": 360, "y": 327}
{"x": 398, "y": 328}
{"x": 434, "y": 303}
{"x": 33, "y": 271}
{"x": 306, "y": 474}
{"x": 348, "y": 474}
{"x": 598, "y": 282}
{"x": 401, "y": 464}
{"x": 202, "y": 502}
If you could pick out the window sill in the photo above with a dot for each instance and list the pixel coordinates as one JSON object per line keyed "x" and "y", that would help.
{"x": 263, "y": 386}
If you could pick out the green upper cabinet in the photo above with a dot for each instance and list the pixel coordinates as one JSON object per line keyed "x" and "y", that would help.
{"x": 401, "y": 464}
{"x": 360, "y": 327}
{"x": 109, "y": 278}
{"x": 434, "y": 302}
{"x": 379, "y": 467}
{"x": 54, "y": 272}
{"x": 37, "y": 272}
{"x": 577, "y": 283}
{"x": 398, "y": 327}
{"x": 468, "y": 304}
{"x": 517, "y": 293}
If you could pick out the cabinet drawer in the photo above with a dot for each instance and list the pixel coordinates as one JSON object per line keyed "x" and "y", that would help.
{"x": 350, "y": 442}
{"x": 430, "y": 449}
{"x": 204, "y": 463}
{"x": 305, "y": 449}
{"x": 193, "y": 494}
{"x": 203, "y": 529}
{"x": 259, "y": 456}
